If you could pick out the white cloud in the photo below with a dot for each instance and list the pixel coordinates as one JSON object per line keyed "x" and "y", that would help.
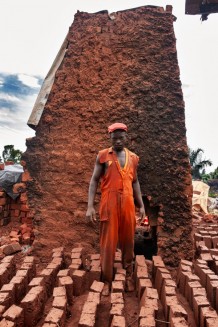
{"x": 28, "y": 80}
{"x": 13, "y": 124}
{"x": 8, "y": 97}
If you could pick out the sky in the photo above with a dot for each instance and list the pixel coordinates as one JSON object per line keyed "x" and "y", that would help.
{"x": 32, "y": 31}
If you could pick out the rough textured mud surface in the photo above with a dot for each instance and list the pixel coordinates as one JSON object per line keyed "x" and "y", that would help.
{"x": 121, "y": 67}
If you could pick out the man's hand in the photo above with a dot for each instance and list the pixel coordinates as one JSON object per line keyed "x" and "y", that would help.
{"x": 91, "y": 215}
{"x": 142, "y": 212}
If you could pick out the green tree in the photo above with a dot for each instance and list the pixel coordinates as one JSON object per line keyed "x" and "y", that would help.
{"x": 198, "y": 164}
{"x": 11, "y": 154}
{"x": 212, "y": 175}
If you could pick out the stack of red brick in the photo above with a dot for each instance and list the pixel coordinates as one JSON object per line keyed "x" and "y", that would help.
{"x": 16, "y": 209}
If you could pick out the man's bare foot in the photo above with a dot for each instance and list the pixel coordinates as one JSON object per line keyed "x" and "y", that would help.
{"x": 129, "y": 286}
{"x": 106, "y": 289}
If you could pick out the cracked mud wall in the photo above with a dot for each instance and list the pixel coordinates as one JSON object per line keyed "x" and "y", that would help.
{"x": 118, "y": 68}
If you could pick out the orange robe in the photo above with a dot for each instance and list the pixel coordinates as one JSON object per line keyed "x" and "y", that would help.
{"x": 117, "y": 211}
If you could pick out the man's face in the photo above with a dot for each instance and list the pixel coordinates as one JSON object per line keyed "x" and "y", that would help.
{"x": 118, "y": 139}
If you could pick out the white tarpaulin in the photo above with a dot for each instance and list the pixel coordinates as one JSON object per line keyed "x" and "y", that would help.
{"x": 200, "y": 195}
{"x": 46, "y": 87}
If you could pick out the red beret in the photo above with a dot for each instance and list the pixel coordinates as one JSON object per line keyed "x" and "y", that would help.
{"x": 115, "y": 126}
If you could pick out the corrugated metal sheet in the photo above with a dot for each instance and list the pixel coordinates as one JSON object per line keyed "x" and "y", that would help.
{"x": 194, "y": 7}
{"x": 46, "y": 88}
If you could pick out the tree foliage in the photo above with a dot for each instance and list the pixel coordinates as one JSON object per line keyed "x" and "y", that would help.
{"x": 198, "y": 164}
{"x": 11, "y": 154}
{"x": 212, "y": 175}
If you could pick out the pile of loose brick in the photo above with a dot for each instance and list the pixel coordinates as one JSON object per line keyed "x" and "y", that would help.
{"x": 29, "y": 297}
{"x": 18, "y": 209}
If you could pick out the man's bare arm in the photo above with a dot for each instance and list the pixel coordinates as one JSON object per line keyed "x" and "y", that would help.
{"x": 98, "y": 170}
{"x": 138, "y": 197}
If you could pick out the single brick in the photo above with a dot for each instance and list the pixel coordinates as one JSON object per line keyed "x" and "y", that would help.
{"x": 63, "y": 273}
{"x": 75, "y": 255}
{"x": 207, "y": 257}
{"x": 57, "y": 260}
{"x": 78, "y": 278}
{"x": 10, "y": 289}
{"x": 117, "y": 298}
{"x": 4, "y": 276}
{"x": 5, "y": 299}
{"x": 2, "y": 310}
{"x": 198, "y": 237}
{"x": 211, "y": 322}
{"x": 15, "y": 314}
{"x": 121, "y": 271}
{"x": 6, "y": 323}
{"x": 37, "y": 281}
{"x": 95, "y": 263}
{"x": 178, "y": 322}
{"x": 149, "y": 321}
{"x": 76, "y": 250}
{"x": 118, "y": 257}
{"x": 29, "y": 259}
{"x": 119, "y": 277}
{"x": 59, "y": 291}
{"x": 97, "y": 286}
{"x": 118, "y": 321}
{"x": 157, "y": 262}
{"x": 11, "y": 248}
{"x": 149, "y": 293}
{"x": 57, "y": 254}
{"x": 60, "y": 249}
{"x": 146, "y": 311}
{"x": 56, "y": 316}
{"x": 117, "y": 287}
{"x": 87, "y": 320}
{"x": 95, "y": 256}
{"x": 8, "y": 259}
{"x": 90, "y": 308}
{"x": 77, "y": 262}
{"x": 93, "y": 297}
{"x": 60, "y": 302}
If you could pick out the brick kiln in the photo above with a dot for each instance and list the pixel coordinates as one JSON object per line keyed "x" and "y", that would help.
{"x": 117, "y": 67}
